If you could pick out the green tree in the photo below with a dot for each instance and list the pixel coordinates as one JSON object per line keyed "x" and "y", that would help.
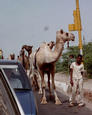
{"x": 87, "y": 49}
{"x": 62, "y": 66}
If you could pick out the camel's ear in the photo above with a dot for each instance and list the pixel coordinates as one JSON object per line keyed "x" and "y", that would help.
{"x": 67, "y": 34}
{"x": 48, "y": 44}
{"x": 52, "y": 42}
{"x": 61, "y": 31}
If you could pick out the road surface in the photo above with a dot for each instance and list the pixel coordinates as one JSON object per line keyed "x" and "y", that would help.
{"x": 51, "y": 109}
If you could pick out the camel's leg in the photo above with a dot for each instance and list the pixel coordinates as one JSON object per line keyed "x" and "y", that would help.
{"x": 39, "y": 82}
{"x": 36, "y": 83}
{"x": 49, "y": 83}
{"x": 30, "y": 72}
{"x": 57, "y": 101}
{"x": 43, "y": 88}
{"x": 33, "y": 83}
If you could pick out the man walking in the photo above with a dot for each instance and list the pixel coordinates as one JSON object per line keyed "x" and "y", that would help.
{"x": 76, "y": 81}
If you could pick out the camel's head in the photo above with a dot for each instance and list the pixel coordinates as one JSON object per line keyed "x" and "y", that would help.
{"x": 27, "y": 48}
{"x": 51, "y": 44}
{"x": 22, "y": 52}
{"x": 65, "y": 36}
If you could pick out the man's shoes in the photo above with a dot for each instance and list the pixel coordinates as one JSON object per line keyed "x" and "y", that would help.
{"x": 81, "y": 104}
{"x": 71, "y": 104}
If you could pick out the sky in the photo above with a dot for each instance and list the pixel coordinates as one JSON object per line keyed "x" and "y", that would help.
{"x": 32, "y": 22}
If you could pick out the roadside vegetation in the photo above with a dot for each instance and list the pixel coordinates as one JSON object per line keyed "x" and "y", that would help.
{"x": 62, "y": 64}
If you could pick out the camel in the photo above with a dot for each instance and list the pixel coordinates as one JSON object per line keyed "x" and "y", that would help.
{"x": 34, "y": 74}
{"x": 28, "y": 49}
{"x": 46, "y": 59}
{"x": 24, "y": 58}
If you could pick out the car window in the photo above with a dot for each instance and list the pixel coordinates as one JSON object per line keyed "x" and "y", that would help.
{"x": 8, "y": 105}
{"x": 16, "y": 77}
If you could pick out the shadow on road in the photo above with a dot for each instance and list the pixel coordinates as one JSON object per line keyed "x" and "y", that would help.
{"x": 51, "y": 109}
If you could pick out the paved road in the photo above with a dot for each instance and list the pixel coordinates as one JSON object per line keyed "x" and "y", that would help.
{"x": 51, "y": 109}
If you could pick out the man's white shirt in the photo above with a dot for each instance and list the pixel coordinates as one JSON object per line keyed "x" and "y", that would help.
{"x": 77, "y": 69}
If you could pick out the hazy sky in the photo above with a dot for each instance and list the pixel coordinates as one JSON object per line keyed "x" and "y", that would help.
{"x": 31, "y": 22}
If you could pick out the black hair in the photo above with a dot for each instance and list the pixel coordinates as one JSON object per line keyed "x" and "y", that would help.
{"x": 71, "y": 55}
{"x": 79, "y": 55}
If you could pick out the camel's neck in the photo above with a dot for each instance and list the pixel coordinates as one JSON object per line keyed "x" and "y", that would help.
{"x": 58, "y": 49}
{"x": 46, "y": 55}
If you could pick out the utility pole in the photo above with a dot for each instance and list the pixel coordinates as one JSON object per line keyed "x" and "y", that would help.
{"x": 77, "y": 25}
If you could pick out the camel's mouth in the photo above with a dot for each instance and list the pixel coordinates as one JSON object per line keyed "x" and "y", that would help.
{"x": 73, "y": 38}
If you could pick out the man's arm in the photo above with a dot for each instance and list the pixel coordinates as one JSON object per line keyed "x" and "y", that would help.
{"x": 71, "y": 78}
{"x": 82, "y": 70}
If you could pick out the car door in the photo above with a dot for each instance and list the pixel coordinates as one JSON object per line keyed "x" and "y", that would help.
{"x": 8, "y": 104}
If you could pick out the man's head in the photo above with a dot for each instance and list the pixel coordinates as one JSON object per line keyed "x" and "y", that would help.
{"x": 71, "y": 56}
{"x": 79, "y": 58}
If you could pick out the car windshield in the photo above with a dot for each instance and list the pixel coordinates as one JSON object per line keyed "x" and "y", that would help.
{"x": 17, "y": 77}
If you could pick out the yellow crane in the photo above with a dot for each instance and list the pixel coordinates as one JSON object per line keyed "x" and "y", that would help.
{"x": 77, "y": 25}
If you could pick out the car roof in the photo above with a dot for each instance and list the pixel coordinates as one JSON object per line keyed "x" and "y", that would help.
{"x": 8, "y": 62}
